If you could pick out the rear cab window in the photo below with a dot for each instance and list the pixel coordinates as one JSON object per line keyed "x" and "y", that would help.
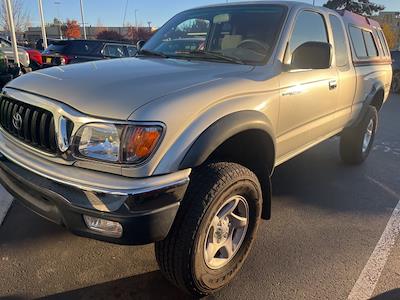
{"x": 341, "y": 45}
{"x": 73, "y": 47}
{"x": 357, "y": 39}
{"x": 368, "y": 44}
{"x": 372, "y": 50}
{"x": 382, "y": 40}
{"x": 83, "y": 47}
{"x": 363, "y": 42}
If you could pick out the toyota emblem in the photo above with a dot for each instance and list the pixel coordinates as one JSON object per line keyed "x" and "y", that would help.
{"x": 17, "y": 121}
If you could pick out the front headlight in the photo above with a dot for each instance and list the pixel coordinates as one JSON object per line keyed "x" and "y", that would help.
{"x": 129, "y": 144}
{"x": 27, "y": 59}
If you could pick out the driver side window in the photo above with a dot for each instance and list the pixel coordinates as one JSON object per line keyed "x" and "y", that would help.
{"x": 310, "y": 27}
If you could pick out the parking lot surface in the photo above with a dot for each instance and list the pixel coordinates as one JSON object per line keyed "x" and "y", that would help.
{"x": 327, "y": 219}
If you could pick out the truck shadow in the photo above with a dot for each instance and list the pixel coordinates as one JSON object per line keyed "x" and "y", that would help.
{"x": 318, "y": 178}
{"x": 150, "y": 285}
{"x": 11, "y": 231}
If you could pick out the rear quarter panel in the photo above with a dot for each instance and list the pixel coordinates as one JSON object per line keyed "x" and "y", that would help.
{"x": 369, "y": 78}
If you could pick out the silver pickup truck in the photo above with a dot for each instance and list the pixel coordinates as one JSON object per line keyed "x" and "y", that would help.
{"x": 6, "y": 47}
{"x": 177, "y": 145}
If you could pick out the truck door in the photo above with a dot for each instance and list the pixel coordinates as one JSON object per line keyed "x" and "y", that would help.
{"x": 308, "y": 98}
{"x": 347, "y": 74}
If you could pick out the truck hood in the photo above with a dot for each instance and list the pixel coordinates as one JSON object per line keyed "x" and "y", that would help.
{"x": 115, "y": 88}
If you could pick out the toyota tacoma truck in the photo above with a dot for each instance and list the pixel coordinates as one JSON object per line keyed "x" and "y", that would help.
{"x": 177, "y": 145}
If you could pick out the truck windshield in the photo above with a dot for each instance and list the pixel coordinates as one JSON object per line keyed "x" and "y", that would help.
{"x": 235, "y": 34}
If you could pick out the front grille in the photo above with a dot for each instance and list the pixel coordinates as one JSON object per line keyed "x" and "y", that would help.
{"x": 32, "y": 125}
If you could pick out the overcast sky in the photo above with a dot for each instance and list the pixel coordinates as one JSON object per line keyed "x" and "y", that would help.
{"x": 111, "y": 12}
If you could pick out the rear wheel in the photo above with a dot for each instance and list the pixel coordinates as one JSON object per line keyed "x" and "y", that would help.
{"x": 356, "y": 142}
{"x": 213, "y": 230}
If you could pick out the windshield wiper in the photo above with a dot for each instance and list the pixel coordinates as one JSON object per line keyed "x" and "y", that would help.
{"x": 152, "y": 53}
{"x": 215, "y": 55}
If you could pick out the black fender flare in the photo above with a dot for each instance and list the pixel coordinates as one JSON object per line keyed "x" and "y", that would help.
{"x": 377, "y": 87}
{"x": 220, "y": 131}
{"x": 223, "y": 129}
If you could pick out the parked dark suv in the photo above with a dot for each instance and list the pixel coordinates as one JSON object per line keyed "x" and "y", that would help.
{"x": 396, "y": 71}
{"x": 64, "y": 52}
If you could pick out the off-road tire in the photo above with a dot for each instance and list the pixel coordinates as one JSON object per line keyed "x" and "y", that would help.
{"x": 352, "y": 138}
{"x": 180, "y": 256}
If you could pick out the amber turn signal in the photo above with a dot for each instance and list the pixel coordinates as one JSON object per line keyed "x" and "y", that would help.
{"x": 140, "y": 142}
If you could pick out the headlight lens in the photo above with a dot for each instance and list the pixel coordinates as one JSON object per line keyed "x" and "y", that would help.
{"x": 100, "y": 141}
{"x": 117, "y": 143}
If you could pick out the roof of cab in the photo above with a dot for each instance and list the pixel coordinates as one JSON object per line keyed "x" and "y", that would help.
{"x": 348, "y": 17}
{"x": 358, "y": 20}
{"x": 290, "y": 4}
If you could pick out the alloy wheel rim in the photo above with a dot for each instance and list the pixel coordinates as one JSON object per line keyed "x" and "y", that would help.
{"x": 226, "y": 232}
{"x": 368, "y": 136}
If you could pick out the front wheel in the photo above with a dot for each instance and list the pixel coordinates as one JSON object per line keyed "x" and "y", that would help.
{"x": 213, "y": 230}
{"x": 356, "y": 142}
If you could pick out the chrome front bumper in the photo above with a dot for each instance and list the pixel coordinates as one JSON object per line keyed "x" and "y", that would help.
{"x": 90, "y": 181}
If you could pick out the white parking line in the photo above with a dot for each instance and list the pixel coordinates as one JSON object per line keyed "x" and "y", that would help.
{"x": 5, "y": 203}
{"x": 369, "y": 277}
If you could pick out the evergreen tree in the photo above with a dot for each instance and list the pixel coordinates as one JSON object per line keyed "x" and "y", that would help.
{"x": 362, "y": 7}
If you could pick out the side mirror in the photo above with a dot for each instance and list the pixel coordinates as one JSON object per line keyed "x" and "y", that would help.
{"x": 312, "y": 55}
{"x": 140, "y": 44}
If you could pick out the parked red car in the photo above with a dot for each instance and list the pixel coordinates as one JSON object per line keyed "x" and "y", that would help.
{"x": 35, "y": 58}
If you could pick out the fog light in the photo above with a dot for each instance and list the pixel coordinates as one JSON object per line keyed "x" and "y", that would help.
{"x": 104, "y": 227}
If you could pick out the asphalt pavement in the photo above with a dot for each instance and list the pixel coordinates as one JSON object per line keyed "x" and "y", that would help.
{"x": 327, "y": 220}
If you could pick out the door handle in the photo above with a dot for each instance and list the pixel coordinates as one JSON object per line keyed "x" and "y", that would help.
{"x": 333, "y": 84}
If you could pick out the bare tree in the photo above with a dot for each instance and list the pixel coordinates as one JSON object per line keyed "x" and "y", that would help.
{"x": 21, "y": 16}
